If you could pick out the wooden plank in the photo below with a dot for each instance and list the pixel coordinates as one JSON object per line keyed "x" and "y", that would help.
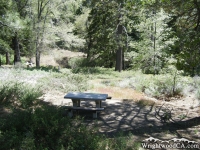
{"x": 86, "y": 96}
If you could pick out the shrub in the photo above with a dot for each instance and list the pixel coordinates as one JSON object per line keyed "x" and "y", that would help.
{"x": 46, "y": 128}
{"x": 18, "y": 94}
{"x": 48, "y": 68}
{"x": 196, "y": 85}
{"x": 165, "y": 85}
{"x": 41, "y": 127}
{"x": 119, "y": 142}
{"x": 64, "y": 82}
{"x": 77, "y": 62}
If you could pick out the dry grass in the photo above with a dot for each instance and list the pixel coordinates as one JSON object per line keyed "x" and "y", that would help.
{"x": 115, "y": 92}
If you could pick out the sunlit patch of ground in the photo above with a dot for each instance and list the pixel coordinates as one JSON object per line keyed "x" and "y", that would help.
{"x": 115, "y": 92}
{"x": 120, "y": 93}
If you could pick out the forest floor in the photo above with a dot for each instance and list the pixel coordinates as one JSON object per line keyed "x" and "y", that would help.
{"x": 134, "y": 112}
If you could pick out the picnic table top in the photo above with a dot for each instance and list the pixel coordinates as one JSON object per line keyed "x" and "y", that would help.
{"x": 86, "y": 96}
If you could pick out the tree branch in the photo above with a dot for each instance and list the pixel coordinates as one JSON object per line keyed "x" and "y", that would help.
{"x": 198, "y": 14}
{"x": 3, "y": 24}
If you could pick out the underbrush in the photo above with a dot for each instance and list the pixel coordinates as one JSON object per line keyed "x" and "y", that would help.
{"x": 47, "y": 80}
{"x": 45, "y": 128}
{"x": 158, "y": 86}
{"x": 32, "y": 124}
{"x": 64, "y": 82}
{"x": 196, "y": 85}
{"x": 18, "y": 94}
{"x": 165, "y": 85}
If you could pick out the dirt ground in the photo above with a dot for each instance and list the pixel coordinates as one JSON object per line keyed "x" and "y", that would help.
{"x": 128, "y": 115}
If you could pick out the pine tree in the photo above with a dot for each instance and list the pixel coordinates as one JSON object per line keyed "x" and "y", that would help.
{"x": 156, "y": 39}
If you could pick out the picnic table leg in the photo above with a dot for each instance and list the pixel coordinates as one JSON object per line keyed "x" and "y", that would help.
{"x": 98, "y": 104}
{"x": 76, "y": 103}
{"x": 70, "y": 114}
{"x": 95, "y": 114}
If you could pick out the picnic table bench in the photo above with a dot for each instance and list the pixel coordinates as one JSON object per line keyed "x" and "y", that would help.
{"x": 77, "y": 97}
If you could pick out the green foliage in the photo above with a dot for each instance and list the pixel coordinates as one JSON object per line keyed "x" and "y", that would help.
{"x": 35, "y": 125}
{"x": 65, "y": 30}
{"x": 198, "y": 93}
{"x": 91, "y": 27}
{"x": 159, "y": 86}
{"x": 77, "y": 62}
{"x": 66, "y": 39}
{"x": 119, "y": 142}
{"x": 64, "y": 82}
{"x": 3, "y": 59}
{"x": 164, "y": 86}
{"x": 196, "y": 85}
{"x": 81, "y": 22}
{"x": 188, "y": 57}
{"x": 156, "y": 39}
{"x": 187, "y": 29}
{"x": 46, "y": 128}
{"x": 45, "y": 68}
{"x": 4, "y": 46}
{"x": 102, "y": 38}
{"x": 95, "y": 71}
{"x": 16, "y": 94}
{"x": 4, "y": 6}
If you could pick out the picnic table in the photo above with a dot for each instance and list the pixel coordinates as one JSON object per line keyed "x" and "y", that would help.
{"x": 77, "y": 97}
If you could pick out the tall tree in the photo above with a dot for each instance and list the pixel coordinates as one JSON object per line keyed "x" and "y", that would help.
{"x": 187, "y": 26}
{"x": 41, "y": 14}
{"x": 5, "y": 48}
{"x": 103, "y": 38}
{"x": 120, "y": 53}
{"x": 156, "y": 39}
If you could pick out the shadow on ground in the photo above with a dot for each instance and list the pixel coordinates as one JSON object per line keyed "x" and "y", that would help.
{"x": 129, "y": 117}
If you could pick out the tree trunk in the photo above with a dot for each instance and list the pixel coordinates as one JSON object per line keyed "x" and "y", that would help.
{"x": 41, "y": 21}
{"x": 37, "y": 56}
{"x": 15, "y": 41}
{"x": 119, "y": 60}
{"x": 89, "y": 47}
{"x": 7, "y": 58}
{"x": 0, "y": 60}
{"x": 37, "y": 59}
{"x": 119, "y": 54}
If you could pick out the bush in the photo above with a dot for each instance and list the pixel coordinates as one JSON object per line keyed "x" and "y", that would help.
{"x": 77, "y": 62}
{"x": 196, "y": 85}
{"x": 46, "y": 128}
{"x": 119, "y": 142}
{"x": 48, "y": 68}
{"x": 163, "y": 85}
{"x": 64, "y": 82}
{"x": 32, "y": 125}
{"x": 18, "y": 94}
